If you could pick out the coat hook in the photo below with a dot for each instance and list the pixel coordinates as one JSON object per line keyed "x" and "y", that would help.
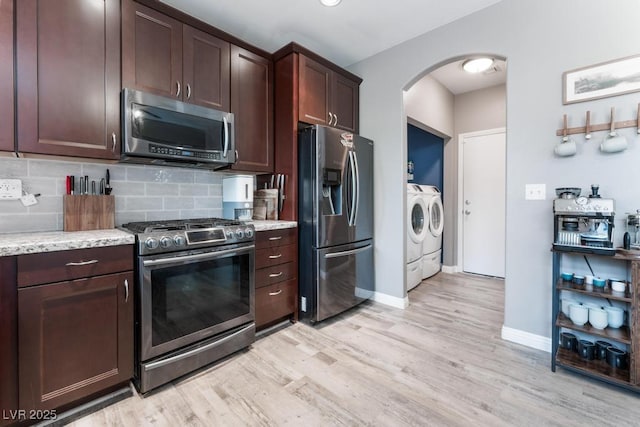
{"x": 588, "y": 126}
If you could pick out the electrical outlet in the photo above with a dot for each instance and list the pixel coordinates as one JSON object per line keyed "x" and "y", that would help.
{"x": 10, "y": 189}
{"x": 535, "y": 191}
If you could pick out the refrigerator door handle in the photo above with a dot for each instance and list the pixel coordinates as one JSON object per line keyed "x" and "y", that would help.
{"x": 281, "y": 195}
{"x": 345, "y": 253}
{"x": 357, "y": 189}
{"x": 352, "y": 194}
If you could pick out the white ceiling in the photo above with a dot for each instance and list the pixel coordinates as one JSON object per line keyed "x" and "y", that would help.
{"x": 458, "y": 81}
{"x": 345, "y": 34}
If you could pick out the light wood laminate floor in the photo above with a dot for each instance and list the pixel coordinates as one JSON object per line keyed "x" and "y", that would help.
{"x": 441, "y": 362}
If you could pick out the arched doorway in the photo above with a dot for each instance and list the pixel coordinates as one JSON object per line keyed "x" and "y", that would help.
{"x": 446, "y": 102}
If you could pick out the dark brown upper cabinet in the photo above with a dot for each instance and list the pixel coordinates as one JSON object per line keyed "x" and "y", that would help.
{"x": 162, "y": 55}
{"x": 252, "y": 106}
{"x": 327, "y": 97}
{"x": 308, "y": 89}
{"x": 68, "y": 77}
{"x": 6, "y": 75}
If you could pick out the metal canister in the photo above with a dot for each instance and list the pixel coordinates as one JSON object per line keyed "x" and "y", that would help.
{"x": 633, "y": 228}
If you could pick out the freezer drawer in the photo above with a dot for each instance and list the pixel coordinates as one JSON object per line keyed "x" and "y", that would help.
{"x": 344, "y": 277}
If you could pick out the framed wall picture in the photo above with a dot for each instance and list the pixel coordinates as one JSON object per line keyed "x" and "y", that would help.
{"x": 601, "y": 80}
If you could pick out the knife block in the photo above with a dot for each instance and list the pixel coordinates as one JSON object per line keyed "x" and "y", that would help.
{"x": 88, "y": 212}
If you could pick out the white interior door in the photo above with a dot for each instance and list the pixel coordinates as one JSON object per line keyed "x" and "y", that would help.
{"x": 483, "y": 204}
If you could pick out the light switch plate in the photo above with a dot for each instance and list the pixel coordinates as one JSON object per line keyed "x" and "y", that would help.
{"x": 10, "y": 189}
{"x": 535, "y": 191}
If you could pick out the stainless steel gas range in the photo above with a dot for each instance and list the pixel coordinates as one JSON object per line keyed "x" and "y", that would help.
{"x": 195, "y": 290}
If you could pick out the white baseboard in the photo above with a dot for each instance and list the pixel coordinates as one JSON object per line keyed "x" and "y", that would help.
{"x": 390, "y": 300}
{"x": 526, "y": 338}
{"x": 450, "y": 269}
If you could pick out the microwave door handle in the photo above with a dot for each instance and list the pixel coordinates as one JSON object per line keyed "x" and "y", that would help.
{"x": 226, "y": 137}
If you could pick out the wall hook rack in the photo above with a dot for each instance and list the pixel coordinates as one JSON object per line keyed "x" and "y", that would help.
{"x": 589, "y": 128}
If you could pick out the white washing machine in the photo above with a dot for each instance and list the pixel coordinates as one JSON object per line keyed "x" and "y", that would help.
{"x": 432, "y": 243}
{"x": 417, "y": 230}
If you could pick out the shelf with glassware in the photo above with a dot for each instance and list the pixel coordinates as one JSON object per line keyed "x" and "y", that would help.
{"x": 600, "y": 338}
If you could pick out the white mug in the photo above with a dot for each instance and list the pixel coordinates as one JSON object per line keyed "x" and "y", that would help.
{"x": 565, "y": 148}
{"x": 613, "y": 144}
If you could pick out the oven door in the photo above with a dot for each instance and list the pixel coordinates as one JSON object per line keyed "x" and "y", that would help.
{"x": 192, "y": 295}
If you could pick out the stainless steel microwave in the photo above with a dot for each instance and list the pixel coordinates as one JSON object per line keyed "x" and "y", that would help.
{"x": 160, "y": 130}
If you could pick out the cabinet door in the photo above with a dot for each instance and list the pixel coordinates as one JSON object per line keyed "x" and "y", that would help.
{"x": 205, "y": 69}
{"x": 6, "y": 75}
{"x": 68, "y": 60}
{"x": 345, "y": 98}
{"x": 151, "y": 51}
{"x": 8, "y": 338}
{"x": 75, "y": 339}
{"x": 314, "y": 92}
{"x": 252, "y": 106}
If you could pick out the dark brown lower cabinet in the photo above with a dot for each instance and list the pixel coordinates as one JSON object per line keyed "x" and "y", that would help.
{"x": 75, "y": 339}
{"x": 8, "y": 340}
{"x": 276, "y": 276}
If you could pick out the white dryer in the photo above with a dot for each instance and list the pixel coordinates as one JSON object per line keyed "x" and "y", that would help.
{"x": 417, "y": 230}
{"x": 432, "y": 244}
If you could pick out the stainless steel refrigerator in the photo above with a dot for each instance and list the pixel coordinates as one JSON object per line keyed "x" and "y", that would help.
{"x": 335, "y": 214}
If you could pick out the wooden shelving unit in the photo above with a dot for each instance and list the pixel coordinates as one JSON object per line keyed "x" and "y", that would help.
{"x": 626, "y": 335}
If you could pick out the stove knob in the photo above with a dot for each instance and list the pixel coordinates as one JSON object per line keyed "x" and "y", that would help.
{"x": 239, "y": 234}
{"x": 166, "y": 242}
{"x": 179, "y": 240}
{"x": 151, "y": 243}
{"x": 248, "y": 232}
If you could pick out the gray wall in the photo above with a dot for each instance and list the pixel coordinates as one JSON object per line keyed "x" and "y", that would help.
{"x": 430, "y": 103}
{"x": 142, "y": 192}
{"x": 540, "y": 43}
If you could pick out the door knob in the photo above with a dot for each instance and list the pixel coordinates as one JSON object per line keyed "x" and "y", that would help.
{"x": 467, "y": 212}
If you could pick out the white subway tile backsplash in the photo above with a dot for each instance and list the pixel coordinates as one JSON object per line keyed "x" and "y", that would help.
{"x": 143, "y": 192}
{"x": 207, "y": 202}
{"x": 178, "y": 203}
{"x": 194, "y": 190}
{"x": 143, "y": 203}
{"x": 165, "y": 214}
{"x": 162, "y": 189}
{"x": 32, "y": 222}
{"x": 52, "y": 169}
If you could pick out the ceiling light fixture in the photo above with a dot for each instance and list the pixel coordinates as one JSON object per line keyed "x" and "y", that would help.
{"x": 477, "y": 65}
{"x": 330, "y": 3}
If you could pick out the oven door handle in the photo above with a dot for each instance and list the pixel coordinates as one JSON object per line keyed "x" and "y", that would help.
{"x": 196, "y": 257}
{"x": 160, "y": 363}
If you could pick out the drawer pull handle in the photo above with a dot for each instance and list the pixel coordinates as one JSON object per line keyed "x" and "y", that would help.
{"x": 276, "y": 274}
{"x": 275, "y": 238}
{"x": 275, "y": 256}
{"x": 81, "y": 263}
{"x": 273, "y": 294}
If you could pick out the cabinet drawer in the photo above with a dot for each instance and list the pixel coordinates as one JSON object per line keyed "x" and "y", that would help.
{"x": 277, "y": 273}
{"x": 50, "y": 267}
{"x": 275, "y": 301}
{"x": 276, "y": 255}
{"x": 271, "y": 238}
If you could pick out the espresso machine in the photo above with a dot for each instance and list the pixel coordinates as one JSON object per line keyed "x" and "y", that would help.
{"x": 583, "y": 224}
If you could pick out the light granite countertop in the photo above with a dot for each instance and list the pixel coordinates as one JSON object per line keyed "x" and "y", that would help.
{"x": 262, "y": 225}
{"x": 50, "y": 241}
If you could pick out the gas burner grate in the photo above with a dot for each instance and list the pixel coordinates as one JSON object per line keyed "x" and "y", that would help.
{"x": 179, "y": 224}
